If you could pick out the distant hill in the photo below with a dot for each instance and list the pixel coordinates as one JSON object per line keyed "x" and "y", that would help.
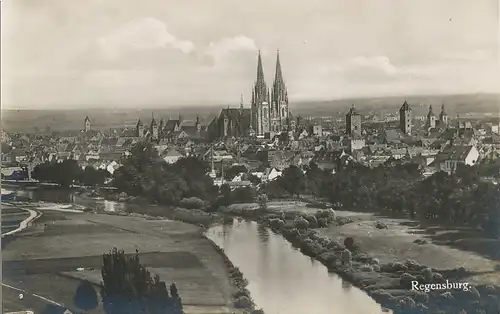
{"x": 454, "y": 104}
{"x": 56, "y": 120}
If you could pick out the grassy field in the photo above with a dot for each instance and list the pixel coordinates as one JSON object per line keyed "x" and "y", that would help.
{"x": 396, "y": 244}
{"x": 48, "y": 258}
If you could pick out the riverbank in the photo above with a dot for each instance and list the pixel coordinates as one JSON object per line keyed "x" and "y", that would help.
{"x": 70, "y": 245}
{"x": 385, "y": 259}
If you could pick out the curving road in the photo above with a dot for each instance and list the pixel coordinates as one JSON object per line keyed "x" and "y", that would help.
{"x": 16, "y": 219}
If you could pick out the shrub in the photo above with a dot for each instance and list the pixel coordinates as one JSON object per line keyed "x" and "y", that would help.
{"x": 243, "y": 302}
{"x": 328, "y": 214}
{"x": 420, "y": 241}
{"x": 343, "y": 220}
{"x": 276, "y": 223}
{"x": 407, "y": 302}
{"x": 322, "y": 222}
{"x": 428, "y": 275}
{"x": 412, "y": 265}
{"x": 301, "y": 223}
{"x": 192, "y": 203}
{"x": 406, "y": 279}
{"x": 380, "y": 225}
{"x": 349, "y": 243}
{"x": 367, "y": 268}
{"x": 438, "y": 277}
{"x": 446, "y": 296}
{"x": 312, "y": 220}
{"x": 333, "y": 244}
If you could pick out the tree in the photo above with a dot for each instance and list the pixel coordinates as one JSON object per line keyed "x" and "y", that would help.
{"x": 244, "y": 194}
{"x": 293, "y": 180}
{"x": 233, "y": 171}
{"x": 64, "y": 173}
{"x": 314, "y": 179}
{"x": 225, "y": 195}
{"x": 86, "y": 296}
{"x": 143, "y": 173}
{"x": 128, "y": 287}
{"x": 262, "y": 200}
{"x": 93, "y": 177}
{"x": 67, "y": 172}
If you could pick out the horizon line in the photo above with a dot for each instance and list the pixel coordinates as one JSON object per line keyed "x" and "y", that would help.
{"x": 224, "y": 104}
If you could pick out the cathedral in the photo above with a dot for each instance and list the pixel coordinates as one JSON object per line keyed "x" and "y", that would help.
{"x": 267, "y": 116}
{"x": 270, "y": 111}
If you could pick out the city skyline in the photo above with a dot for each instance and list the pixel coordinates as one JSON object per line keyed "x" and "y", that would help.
{"x": 100, "y": 53}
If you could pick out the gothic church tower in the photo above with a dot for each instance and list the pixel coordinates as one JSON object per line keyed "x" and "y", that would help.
{"x": 260, "y": 102}
{"x": 270, "y": 111}
{"x": 279, "y": 100}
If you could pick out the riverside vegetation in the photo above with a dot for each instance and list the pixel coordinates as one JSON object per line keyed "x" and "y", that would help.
{"x": 389, "y": 284}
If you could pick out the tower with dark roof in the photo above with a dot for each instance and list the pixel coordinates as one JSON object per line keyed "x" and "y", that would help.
{"x": 443, "y": 117}
{"x": 86, "y": 124}
{"x": 154, "y": 129}
{"x": 431, "y": 119}
{"x": 405, "y": 118}
{"x": 353, "y": 123}
{"x": 139, "y": 129}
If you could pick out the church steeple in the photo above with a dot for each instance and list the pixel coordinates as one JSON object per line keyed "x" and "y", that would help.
{"x": 278, "y": 79}
{"x": 443, "y": 117}
{"x": 153, "y": 121}
{"x": 430, "y": 113}
{"x": 260, "y": 71}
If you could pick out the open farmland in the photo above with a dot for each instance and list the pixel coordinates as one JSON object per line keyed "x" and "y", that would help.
{"x": 51, "y": 258}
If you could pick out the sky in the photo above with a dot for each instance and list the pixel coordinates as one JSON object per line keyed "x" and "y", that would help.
{"x": 160, "y": 53}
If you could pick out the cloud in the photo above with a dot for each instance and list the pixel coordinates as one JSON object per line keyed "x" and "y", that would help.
{"x": 225, "y": 47}
{"x": 141, "y": 34}
{"x": 376, "y": 68}
{"x": 470, "y": 56}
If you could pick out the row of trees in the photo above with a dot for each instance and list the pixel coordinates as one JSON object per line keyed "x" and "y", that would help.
{"x": 127, "y": 288}
{"x": 458, "y": 198}
{"x": 68, "y": 172}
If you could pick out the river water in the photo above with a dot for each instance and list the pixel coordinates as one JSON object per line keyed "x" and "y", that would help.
{"x": 281, "y": 279}
{"x": 284, "y": 281}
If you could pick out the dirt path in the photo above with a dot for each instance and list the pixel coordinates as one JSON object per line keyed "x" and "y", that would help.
{"x": 25, "y": 223}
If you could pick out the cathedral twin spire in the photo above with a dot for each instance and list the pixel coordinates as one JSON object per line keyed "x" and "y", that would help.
{"x": 279, "y": 90}
{"x": 270, "y": 110}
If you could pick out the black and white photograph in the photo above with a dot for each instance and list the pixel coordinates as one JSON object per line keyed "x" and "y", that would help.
{"x": 250, "y": 157}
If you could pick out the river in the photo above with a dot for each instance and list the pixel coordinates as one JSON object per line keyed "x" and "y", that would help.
{"x": 281, "y": 279}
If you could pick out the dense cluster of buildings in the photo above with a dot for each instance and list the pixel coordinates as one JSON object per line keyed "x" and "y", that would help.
{"x": 266, "y": 139}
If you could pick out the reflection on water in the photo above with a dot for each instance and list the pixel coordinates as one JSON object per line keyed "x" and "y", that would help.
{"x": 284, "y": 281}
{"x": 58, "y": 195}
{"x": 110, "y": 206}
